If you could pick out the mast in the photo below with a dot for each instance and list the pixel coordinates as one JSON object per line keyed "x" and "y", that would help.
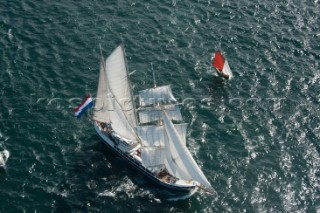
{"x": 129, "y": 82}
{"x": 154, "y": 77}
{"x": 101, "y": 55}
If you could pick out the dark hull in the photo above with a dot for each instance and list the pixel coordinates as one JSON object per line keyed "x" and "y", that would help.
{"x": 223, "y": 75}
{"x": 135, "y": 164}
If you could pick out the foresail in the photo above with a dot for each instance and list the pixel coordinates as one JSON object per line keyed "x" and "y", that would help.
{"x": 226, "y": 69}
{"x": 181, "y": 163}
{"x": 150, "y": 114}
{"x": 101, "y": 101}
{"x": 161, "y": 94}
{"x": 118, "y": 82}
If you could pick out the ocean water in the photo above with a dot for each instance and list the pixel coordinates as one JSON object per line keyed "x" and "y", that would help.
{"x": 255, "y": 137}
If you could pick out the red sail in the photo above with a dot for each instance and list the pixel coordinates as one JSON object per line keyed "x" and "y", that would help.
{"x": 218, "y": 61}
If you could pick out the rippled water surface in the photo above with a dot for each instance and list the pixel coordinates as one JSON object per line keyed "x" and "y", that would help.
{"x": 256, "y": 137}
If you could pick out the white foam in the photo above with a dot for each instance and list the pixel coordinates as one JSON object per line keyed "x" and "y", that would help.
{"x": 183, "y": 197}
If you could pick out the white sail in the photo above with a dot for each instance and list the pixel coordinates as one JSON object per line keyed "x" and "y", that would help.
{"x": 181, "y": 163}
{"x": 151, "y": 114}
{"x": 182, "y": 131}
{"x": 101, "y": 101}
{"x": 152, "y": 156}
{"x": 226, "y": 69}
{"x": 151, "y": 136}
{"x": 163, "y": 145}
{"x": 108, "y": 109}
{"x": 118, "y": 82}
{"x": 161, "y": 94}
{"x": 120, "y": 124}
{"x": 155, "y": 136}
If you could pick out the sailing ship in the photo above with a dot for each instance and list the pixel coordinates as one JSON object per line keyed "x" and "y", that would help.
{"x": 4, "y": 155}
{"x": 145, "y": 137}
{"x": 221, "y": 65}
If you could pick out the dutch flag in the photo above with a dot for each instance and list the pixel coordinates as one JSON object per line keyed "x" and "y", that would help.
{"x": 86, "y": 104}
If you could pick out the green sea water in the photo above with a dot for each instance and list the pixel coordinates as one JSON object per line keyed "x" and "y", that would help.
{"x": 255, "y": 137}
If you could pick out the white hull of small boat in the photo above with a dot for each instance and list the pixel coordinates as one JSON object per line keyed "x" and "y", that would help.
{"x": 4, "y": 155}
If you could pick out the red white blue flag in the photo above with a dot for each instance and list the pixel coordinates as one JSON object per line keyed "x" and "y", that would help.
{"x": 86, "y": 104}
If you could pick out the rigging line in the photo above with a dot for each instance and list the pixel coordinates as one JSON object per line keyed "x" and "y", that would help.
{"x": 98, "y": 109}
{"x": 129, "y": 82}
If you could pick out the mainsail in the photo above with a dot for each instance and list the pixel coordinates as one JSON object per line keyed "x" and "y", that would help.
{"x": 218, "y": 61}
{"x": 113, "y": 103}
{"x": 118, "y": 82}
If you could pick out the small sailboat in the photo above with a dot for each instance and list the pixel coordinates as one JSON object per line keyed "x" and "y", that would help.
{"x": 145, "y": 136}
{"x": 4, "y": 155}
{"x": 222, "y": 66}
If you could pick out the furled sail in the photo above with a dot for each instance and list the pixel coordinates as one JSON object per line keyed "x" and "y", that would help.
{"x": 151, "y": 114}
{"x": 101, "y": 101}
{"x": 180, "y": 162}
{"x": 119, "y": 85}
{"x": 161, "y": 94}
